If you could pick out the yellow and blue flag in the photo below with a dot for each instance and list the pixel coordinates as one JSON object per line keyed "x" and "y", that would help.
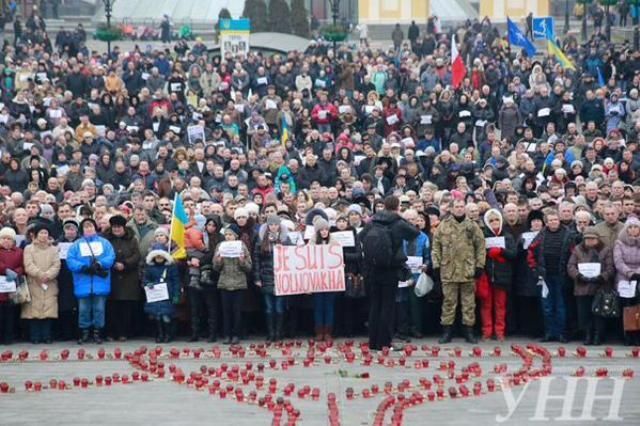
{"x": 555, "y": 50}
{"x": 179, "y": 221}
{"x": 285, "y": 136}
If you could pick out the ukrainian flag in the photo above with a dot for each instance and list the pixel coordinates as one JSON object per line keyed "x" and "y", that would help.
{"x": 179, "y": 220}
{"x": 284, "y": 137}
{"x": 555, "y": 50}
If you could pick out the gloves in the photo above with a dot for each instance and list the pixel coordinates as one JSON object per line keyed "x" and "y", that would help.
{"x": 11, "y": 275}
{"x": 176, "y": 300}
{"x": 635, "y": 277}
{"x": 494, "y": 253}
{"x": 582, "y": 278}
{"x": 479, "y": 272}
{"x": 87, "y": 270}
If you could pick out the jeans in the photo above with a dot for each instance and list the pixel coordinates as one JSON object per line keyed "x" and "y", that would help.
{"x": 324, "y": 309}
{"x": 232, "y": 312}
{"x": 553, "y": 307}
{"x": 91, "y": 312}
{"x": 273, "y": 304}
{"x": 39, "y": 330}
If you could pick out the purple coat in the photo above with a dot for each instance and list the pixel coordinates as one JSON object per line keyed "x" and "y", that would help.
{"x": 626, "y": 255}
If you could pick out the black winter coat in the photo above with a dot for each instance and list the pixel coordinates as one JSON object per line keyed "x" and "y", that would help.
{"x": 263, "y": 260}
{"x": 501, "y": 273}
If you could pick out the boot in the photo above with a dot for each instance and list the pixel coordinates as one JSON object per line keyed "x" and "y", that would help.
{"x": 327, "y": 333}
{"x": 96, "y": 336}
{"x": 169, "y": 331}
{"x": 468, "y": 335}
{"x": 588, "y": 338}
{"x": 84, "y": 336}
{"x": 446, "y": 335}
{"x": 194, "y": 334}
{"x": 319, "y": 333}
{"x": 159, "y": 331}
{"x": 597, "y": 340}
{"x": 213, "y": 332}
{"x": 279, "y": 327}
{"x": 270, "y": 329}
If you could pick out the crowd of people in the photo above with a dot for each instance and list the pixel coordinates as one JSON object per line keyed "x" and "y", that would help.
{"x": 516, "y": 192}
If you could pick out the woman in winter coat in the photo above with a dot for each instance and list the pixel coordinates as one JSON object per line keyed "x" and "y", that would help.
{"x": 67, "y": 305}
{"x": 90, "y": 259}
{"x": 161, "y": 269}
{"x": 10, "y": 260}
{"x": 125, "y": 290}
{"x": 590, "y": 250}
{"x": 232, "y": 284}
{"x": 499, "y": 273}
{"x": 41, "y": 265}
{"x": 508, "y": 119}
{"x": 626, "y": 257}
{"x": 272, "y": 233}
{"x": 352, "y": 305}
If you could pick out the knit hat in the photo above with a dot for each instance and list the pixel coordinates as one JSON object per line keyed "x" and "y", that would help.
{"x": 46, "y": 208}
{"x": 39, "y": 226}
{"x": 274, "y": 219}
{"x": 241, "y": 212}
{"x": 161, "y": 231}
{"x": 8, "y": 232}
{"x": 252, "y": 208}
{"x": 70, "y": 222}
{"x": 591, "y": 232}
{"x": 632, "y": 221}
{"x": 354, "y": 208}
{"x": 320, "y": 223}
{"x": 88, "y": 220}
{"x": 118, "y": 220}
{"x": 233, "y": 228}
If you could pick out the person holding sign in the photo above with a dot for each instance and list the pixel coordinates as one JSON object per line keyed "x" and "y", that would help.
{"x": 10, "y": 260}
{"x": 626, "y": 256}
{"x": 41, "y": 266}
{"x": 232, "y": 285}
{"x": 501, "y": 255}
{"x": 161, "y": 273}
{"x": 591, "y": 268}
{"x": 90, "y": 260}
{"x": 67, "y": 305}
{"x": 272, "y": 233}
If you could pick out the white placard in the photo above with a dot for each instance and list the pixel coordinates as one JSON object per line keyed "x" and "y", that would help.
{"x": 392, "y": 119}
{"x": 404, "y": 284}
{"x": 494, "y": 242}
{"x": 87, "y": 249}
{"x": 62, "y": 170}
{"x": 311, "y": 268}
{"x": 145, "y": 76}
{"x": 262, "y": 80}
{"x": 320, "y": 83}
{"x": 357, "y": 159}
{"x": 230, "y": 249}
{"x": 464, "y": 113}
{"x": 322, "y": 114}
{"x": 344, "y": 238}
{"x": 568, "y": 109}
{"x": 481, "y": 123}
{"x": 7, "y": 286}
{"x": 132, "y": 129}
{"x": 627, "y": 289}
{"x": 544, "y": 112}
{"x": 528, "y": 239}
{"x": 157, "y": 293}
{"x": 270, "y": 104}
{"x": 309, "y": 232}
{"x": 194, "y": 133}
{"x": 369, "y": 108}
{"x": 63, "y": 249}
{"x": 176, "y": 87}
{"x": 589, "y": 270}
{"x": 426, "y": 119}
{"x": 55, "y": 113}
{"x": 407, "y": 141}
{"x": 343, "y": 109}
{"x": 414, "y": 263}
{"x": 26, "y": 146}
{"x": 175, "y": 129}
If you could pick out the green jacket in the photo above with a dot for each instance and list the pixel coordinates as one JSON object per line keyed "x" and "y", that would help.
{"x": 458, "y": 249}
{"x": 233, "y": 272}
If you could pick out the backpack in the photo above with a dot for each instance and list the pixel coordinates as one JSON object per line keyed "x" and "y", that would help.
{"x": 377, "y": 246}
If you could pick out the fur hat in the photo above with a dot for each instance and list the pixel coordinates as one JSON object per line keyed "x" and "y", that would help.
{"x": 320, "y": 223}
{"x": 241, "y": 212}
{"x": 118, "y": 220}
{"x": 534, "y": 215}
{"x": 158, "y": 250}
{"x": 311, "y": 215}
{"x": 8, "y": 232}
{"x": 235, "y": 229}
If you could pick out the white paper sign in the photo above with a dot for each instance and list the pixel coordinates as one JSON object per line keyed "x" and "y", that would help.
{"x": 270, "y": 104}
{"x": 87, "y": 249}
{"x": 176, "y": 87}
{"x": 464, "y": 113}
{"x": 63, "y": 249}
{"x": 230, "y": 248}
{"x": 55, "y": 113}
{"x": 322, "y": 114}
{"x": 262, "y": 80}
{"x": 589, "y": 270}
{"x": 320, "y": 83}
{"x": 404, "y": 284}
{"x": 568, "y": 109}
{"x": 145, "y": 76}
{"x": 414, "y": 263}
{"x": 7, "y": 286}
{"x": 343, "y": 109}
{"x": 369, "y": 109}
{"x": 528, "y": 239}
{"x": 295, "y": 237}
{"x": 481, "y": 123}
{"x": 344, "y": 238}
{"x": 494, "y": 242}
{"x": 309, "y": 232}
{"x": 544, "y": 112}
{"x": 426, "y": 119}
{"x": 627, "y": 289}
{"x": 157, "y": 293}
{"x": 392, "y": 119}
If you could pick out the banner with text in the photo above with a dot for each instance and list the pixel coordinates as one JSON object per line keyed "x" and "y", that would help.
{"x": 234, "y": 36}
{"x": 308, "y": 269}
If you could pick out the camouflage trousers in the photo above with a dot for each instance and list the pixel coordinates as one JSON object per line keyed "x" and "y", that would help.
{"x": 467, "y": 292}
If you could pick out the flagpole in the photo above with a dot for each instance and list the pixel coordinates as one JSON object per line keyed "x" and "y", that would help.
{"x": 508, "y": 46}
{"x": 173, "y": 213}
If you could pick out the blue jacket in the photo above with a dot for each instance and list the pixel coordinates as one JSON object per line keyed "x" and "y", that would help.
{"x": 152, "y": 275}
{"x": 85, "y": 285}
{"x": 423, "y": 249}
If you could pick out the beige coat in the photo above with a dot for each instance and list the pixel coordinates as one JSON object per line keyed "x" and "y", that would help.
{"x": 38, "y": 261}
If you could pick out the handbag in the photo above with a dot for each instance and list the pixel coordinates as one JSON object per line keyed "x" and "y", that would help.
{"x": 606, "y": 303}
{"x": 424, "y": 285}
{"x": 631, "y": 318}
{"x": 482, "y": 287}
{"x": 22, "y": 294}
{"x": 354, "y": 286}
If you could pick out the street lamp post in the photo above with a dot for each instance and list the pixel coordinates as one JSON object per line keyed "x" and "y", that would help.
{"x": 566, "y": 16}
{"x": 108, "y": 8}
{"x": 335, "y": 13}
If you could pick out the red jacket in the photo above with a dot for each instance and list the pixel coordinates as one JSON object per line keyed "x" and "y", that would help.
{"x": 10, "y": 259}
{"x": 330, "y": 110}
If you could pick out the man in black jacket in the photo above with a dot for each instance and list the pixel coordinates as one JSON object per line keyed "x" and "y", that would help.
{"x": 382, "y": 282}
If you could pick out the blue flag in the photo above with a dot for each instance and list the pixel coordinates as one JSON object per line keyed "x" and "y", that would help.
{"x": 601, "y": 81}
{"x": 518, "y": 39}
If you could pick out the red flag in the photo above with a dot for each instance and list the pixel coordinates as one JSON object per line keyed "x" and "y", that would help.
{"x": 458, "y": 69}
